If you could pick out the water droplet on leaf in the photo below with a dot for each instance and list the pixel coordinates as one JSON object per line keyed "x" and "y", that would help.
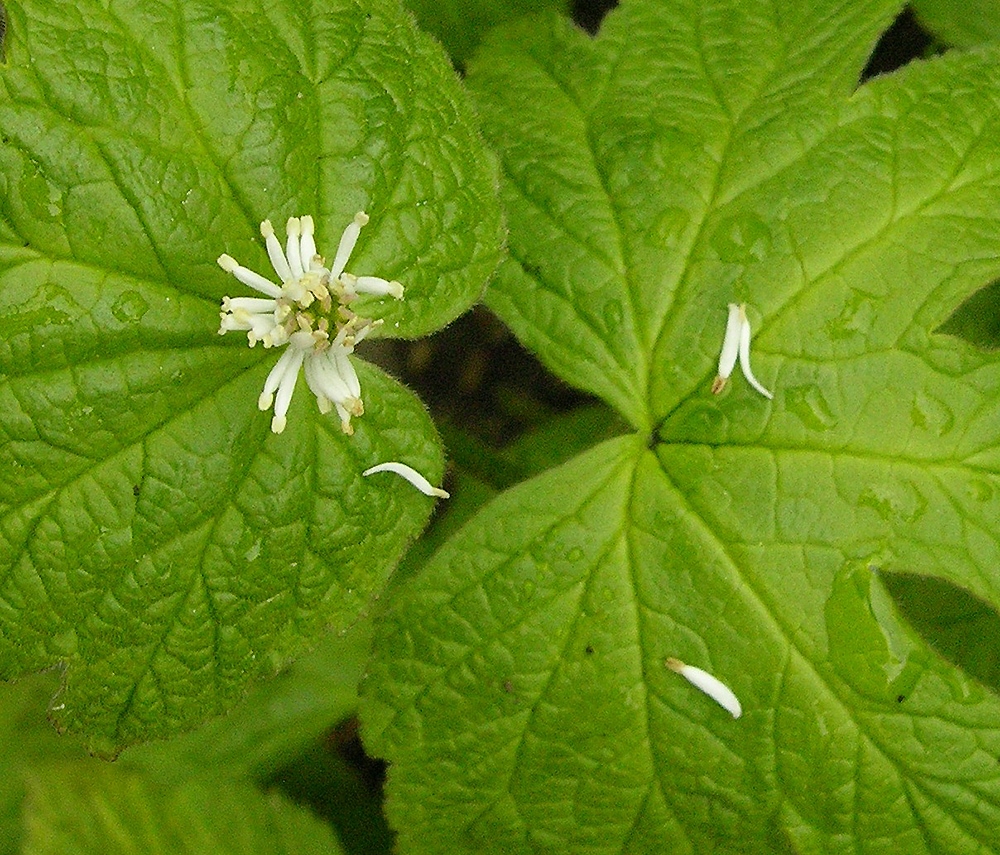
{"x": 614, "y": 313}
{"x": 931, "y": 414}
{"x": 130, "y": 307}
{"x": 896, "y": 501}
{"x": 811, "y": 406}
{"x": 742, "y": 239}
{"x": 855, "y": 318}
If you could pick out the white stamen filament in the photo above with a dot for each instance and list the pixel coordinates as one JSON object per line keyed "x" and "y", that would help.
{"x": 745, "y": 355}
{"x": 347, "y": 243}
{"x": 374, "y": 285}
{"x": 411, "y": 475}
{"x": 730, "y": 348}
{"x": 711, "y": 686}
{"x": 248, "y": 277}
{"x": 293, "y": 229}
{"x": 275, "y": 252}
{"x": 307, "y": 245}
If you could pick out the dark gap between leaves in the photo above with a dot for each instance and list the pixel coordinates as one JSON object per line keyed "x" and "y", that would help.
{"x": 340, "y": 783}
{"x": 902, "y": 43}
{"x": 977, "y": 320}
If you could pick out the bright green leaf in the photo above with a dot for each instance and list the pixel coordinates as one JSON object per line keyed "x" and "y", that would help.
{"x": 960, "y": 22}
{"x": 276, "y": 722}
{"x": 693, "y": 155}
{"x": 116, "y": 813}
{"x": 156, "y": 538}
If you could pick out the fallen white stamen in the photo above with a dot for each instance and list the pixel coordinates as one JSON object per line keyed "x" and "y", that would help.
{"x": 730, "y": 349}
{"x": 411, "y": 475}
{"x": 711, "y": 686}
{"x": 745, "y": 355}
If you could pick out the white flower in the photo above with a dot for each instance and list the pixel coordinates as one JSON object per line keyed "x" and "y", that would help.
{"x": 736, "y": 343}
{"x": 411, "y": 475}
{"x": 309, "y": 313}
{"x": 711, "y": 686}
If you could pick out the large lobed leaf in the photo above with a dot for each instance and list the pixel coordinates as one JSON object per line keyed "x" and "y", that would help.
{"x": 109, "y": 813}
{"x": 156, "y": 539}
{"x": 695, "y": 154}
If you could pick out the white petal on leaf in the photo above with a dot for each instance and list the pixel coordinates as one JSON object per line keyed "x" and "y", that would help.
{"x": 730, "y": 348}
{"x": 711, "y": 686}
{"x": 411, "y": 475}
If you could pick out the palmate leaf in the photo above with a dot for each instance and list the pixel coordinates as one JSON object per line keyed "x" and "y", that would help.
{"x": 966, "y": 23}
{"x": 157, "y": 539}
{"x": 692, "y": 155}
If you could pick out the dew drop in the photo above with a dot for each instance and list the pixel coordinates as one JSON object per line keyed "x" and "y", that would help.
{"x": 855, "y": 318}
{"x": 981, "y": 491}
{"x": 898, "y": 501}
{"x": 741, "y": 239}
{"x": 130, "y": 307}
{"x": 614, "y": 313}
{"x": 811, "y": 406}
{"x": 931, "y": 414}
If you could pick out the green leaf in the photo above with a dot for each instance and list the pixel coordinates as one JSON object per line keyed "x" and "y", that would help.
{"x": 461, "y": 24}
{"x": 692, "y": 155}
{"x": 963, "y": 23}
{"x": 108, "y": 813}
{"x": 274, "y": 724}
{"x": 157, "y": 539}
{"x": 27, "y": 740}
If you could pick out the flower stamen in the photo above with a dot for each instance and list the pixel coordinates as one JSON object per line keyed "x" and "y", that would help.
{"x": 309, "y": 313}
{"x": 711, "y": 686}
{"x": 411, "y": 475}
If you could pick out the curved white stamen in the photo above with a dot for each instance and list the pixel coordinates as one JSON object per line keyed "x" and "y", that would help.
{"x": 324, "y": 378}
{"x": 745, "y": 355}
{"x": 730, "y": 349}
{"x": 346, "y": 369}
{"x": 348, "y": 240}
{"x": 292, "y": 246}
{"x": 307, "y": 245}
{"x": 711, "y": 686}
{"x": 275, "y": 252}
{"x": 411, "y": 475}
{"x": 248, "y": 277}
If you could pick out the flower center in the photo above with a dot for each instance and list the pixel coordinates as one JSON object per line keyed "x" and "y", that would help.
{"x": 312, "y": 320}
